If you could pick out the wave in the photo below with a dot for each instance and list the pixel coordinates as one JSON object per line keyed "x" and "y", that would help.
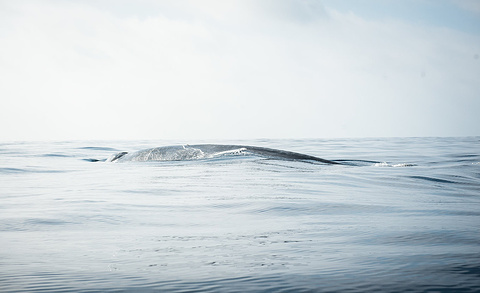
{"x": 385, "y": 164}
{"x": 95, "y": 148}
{"x": 9, "y": 170}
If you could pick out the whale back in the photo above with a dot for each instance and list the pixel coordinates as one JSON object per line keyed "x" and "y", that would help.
{"x": 206, "y": 151}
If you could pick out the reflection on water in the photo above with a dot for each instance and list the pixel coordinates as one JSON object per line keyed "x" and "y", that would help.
{"x": 242, "y": 224}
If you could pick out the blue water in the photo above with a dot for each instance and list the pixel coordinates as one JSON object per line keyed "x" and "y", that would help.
{"x": 242, "y": 224}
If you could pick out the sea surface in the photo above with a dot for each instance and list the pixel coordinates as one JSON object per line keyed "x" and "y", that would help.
{"x": 409, "y": 222}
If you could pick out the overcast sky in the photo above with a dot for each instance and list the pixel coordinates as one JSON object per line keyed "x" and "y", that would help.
{"x": 227, "y": 69}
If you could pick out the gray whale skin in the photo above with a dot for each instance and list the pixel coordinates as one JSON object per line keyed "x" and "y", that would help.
{"x": 206, "y": 151}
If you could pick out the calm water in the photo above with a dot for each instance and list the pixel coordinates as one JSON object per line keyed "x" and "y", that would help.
{"x": 242, "y": 223}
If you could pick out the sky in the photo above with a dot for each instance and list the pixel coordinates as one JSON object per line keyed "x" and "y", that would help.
{"x": 238, "y": 69}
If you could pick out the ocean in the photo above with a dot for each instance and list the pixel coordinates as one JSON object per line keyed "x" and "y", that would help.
{"x": 409, "y": 220}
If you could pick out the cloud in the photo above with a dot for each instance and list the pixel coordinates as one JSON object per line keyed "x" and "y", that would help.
{"x": 229, "y": 69}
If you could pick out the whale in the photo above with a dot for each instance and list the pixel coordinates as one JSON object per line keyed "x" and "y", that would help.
{"x": 209, "y": 151}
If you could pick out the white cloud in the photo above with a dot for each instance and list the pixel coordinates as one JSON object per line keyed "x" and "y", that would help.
{"x": 229, "y": 69}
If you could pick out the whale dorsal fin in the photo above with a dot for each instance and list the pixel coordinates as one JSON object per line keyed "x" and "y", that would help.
{"x": 115, "y": 157}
